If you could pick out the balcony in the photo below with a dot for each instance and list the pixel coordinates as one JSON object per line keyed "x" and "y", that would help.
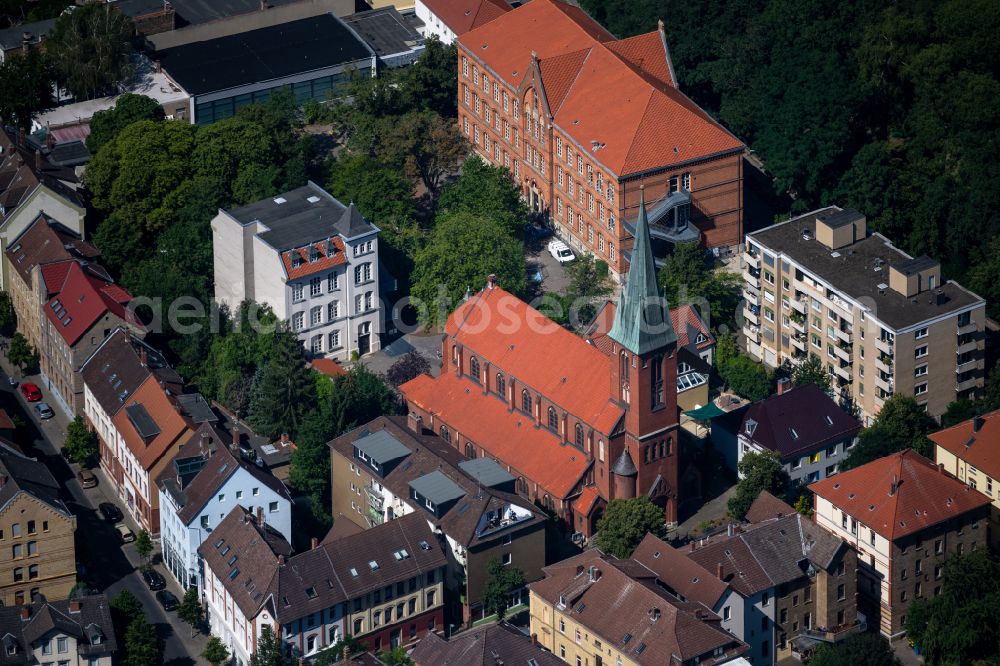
{"x": 844, "y": 353}
{"x": 971, "y": 327}
{"x": 884, "y": 346}
{"x": 974, "y": 364}
{"x": 799, "y": 342}
{"x": 751, "y": 260}
{"x": 751, "y": 332}
{"x": 752, "y": 277}
{"x": 375, "y": 498}
{"x": 844, "y": 336}
{"x": 970, "y": 383}
{"x": 751, "y": 316}
{"x": 751, "y": 293}
{"x": 843, "y": 373}
{"x": 799, "y": 324}
{"x": 967, "y": 347}
{"x": 884, "y": 363}
{"x": 884, "y": 384}
{"x": 799, "y": 305}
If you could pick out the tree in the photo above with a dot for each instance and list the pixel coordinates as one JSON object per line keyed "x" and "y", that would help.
{"x": 80, "y": 442}
{"x": 747, "y": 378}
{"x": 91, "y": 49}
{"x": 811, "y": 371}
{"x": 124, "y": 608}
{"x": 396, "y": 657}
{"x": 270, "y": 650}
{"x": 215, "y": 651}
{"x": 900, "y": 424}
{"x": 129, "y": 108}
{"x": 144, "y": 547}
{"x": 958, "y": 411}
{"x": 866, "y": 648}
{"x": 803, "y": 505}
{"x": 486, "y": 191}
{"x": 431, "y": 83}
{"x": 283, "y": 388}
{"x": 758, "y": 471}
{"x": 335, "y": 653}
{"x": 21, "y": 353}
{"x": 625, "y": 523}
{"x": 427, "y": 146}
{"x": 443, "y": 273}
{"x": 501, "y": 582}
{"x": 8, "y": 318}
{"x": 190, "y": 610}
{"x": 142, "y": 647}
{"x": 25, "y": 89}
{"x": 958, "y": 625}
{"x": 411, "y": 365}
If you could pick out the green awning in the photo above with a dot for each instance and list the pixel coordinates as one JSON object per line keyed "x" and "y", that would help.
{"x": 709, "y": 411}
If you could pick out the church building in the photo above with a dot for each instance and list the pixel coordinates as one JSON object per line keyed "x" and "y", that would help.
{"x": 577, "y": 421}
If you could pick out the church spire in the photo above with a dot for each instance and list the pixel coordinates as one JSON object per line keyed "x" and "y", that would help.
{"x": 642, "y": 318}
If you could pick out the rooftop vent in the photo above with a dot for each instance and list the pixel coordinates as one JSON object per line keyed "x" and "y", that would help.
{"x": 806, "y": 234}
{"x": 312, "y": 199}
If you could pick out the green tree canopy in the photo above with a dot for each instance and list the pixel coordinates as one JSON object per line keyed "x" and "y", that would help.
{"x": 741, "y": 374}
{"x": 867, "y": 648}
{"x": 282, "y": 389}
{"x": 270, "y": 650}
{"x": 758, "y": 472}
{"x": 958, "y": 626}
{"x": 686, "y": 277}
{"x": 144, "y": 547}
{"x": 486, "y": 191}
{"x": 900, "y": 424}
{"x": 129, "y": 108}
{"x": 411, "y": 365}
{"x": 25, "y": 89}
{"x": 431, "y": 83}
{"x": 625, "y": 524}
{"x": 811, "y": 371}
{"x": 215, "y": 651}
{"x": 80, "y": 442}
{"x": 463, "y": 251}
{"x": 426, "y": 146}
{"x": 190, "y": 610}
{"x": 501, "y": 582}
{"x": 142, "y": 646}
{"x": 90, "y": 49}
{"x": 8, "y": 318}
{"x": 21, "y": 353}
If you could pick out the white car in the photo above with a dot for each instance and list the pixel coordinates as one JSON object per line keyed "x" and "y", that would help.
{"x": 560, "y": 251}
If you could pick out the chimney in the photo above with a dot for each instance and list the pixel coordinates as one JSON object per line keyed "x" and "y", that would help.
{"x": 263, "y": 5}
{"x": 3, "y": 480}
{"x": 893, "y": 486}
{"x": 977, "y": 423}
{"x": 314, "y": 543}
{"x": 347, "y": 650}
{"x": 21, "y": 140}
{"x": 236, "y": 439}
{"x": 260, "y": 516}
{"x": 50, "y": 140}
{"x": 579, "y": 569}
{"x": 416, "y": 423}
{"x": 25, "y": 612}
{"x": 654, "y": 614}
{"x": 534, "y": 639}
{"x": 784, "y": 384}
{"x": 719, "y": 572}
{"x": 143, "y": 356}
{"x": 281, "y": 560}
{"x": 692, "y": 546}
{"x": 940, "y": 468}
{"x": 158, "y": 68}
{"x": 491, "y": 281}
{"x": 38, "y": 160}
{"x": 594, "y": 574}
{"x": 75, "y": 606}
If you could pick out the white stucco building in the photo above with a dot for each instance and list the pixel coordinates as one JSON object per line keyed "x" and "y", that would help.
{"x": 313, "y": 260}
{"x": 450, "y": 19}
{"x": 207, "y": 478}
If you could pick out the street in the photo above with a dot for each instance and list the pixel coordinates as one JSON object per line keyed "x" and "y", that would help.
{"x": 108, "y": 566}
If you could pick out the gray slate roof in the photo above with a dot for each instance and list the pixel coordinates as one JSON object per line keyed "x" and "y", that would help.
{"x": 487, "y": 645}
{"x": 437, "y": 487}
{"x": 92, "y": 619}
{"x": 381, "y": 447}
{"x": 28, "y": 475}
{"x": 799, "y": 421}
{"x": 13, "y": 37}
{"x": 385, "y": 30}
{"x": 642, "y": 318}
{"x": 307, "y": 214}
{"x": 486, "y": 471}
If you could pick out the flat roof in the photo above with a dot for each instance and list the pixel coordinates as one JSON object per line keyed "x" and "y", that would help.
{"x": 301, "y": 216}
{"x": 264, "y": 54}
{"x": 381, "y": 447}
{"x": 133, "y": 8}
{"x": 437, "y": 487}
{"x": 203, "y": 11}
{"x": 385, "y": 30}
{"x": 486, "y": 471}
{"x": 858, "y": 270}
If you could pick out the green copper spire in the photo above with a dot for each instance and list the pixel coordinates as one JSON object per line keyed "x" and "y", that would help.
{"x": 642, "y": 318}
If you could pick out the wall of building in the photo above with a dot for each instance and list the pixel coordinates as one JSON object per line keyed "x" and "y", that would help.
{"x": 230, "y": 241}
{"x": 526, "y": 549}
{"x": 54, "y": 551}
{"x": 807, "y": 466}
{"x": 979, "y": 480}
{"x": 432, "y": 24}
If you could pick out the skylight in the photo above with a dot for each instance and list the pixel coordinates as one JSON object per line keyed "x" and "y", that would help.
{"x": 311, "y": 592}
{"x": 424, "y": 545}
{"x": 233, "y": 574}
{"x": 354, "y": 572}
{"x": 373, "y": 565}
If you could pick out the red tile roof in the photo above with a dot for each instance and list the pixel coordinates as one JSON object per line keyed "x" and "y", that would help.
{"x": 517, "y": 339}
{"x": 620, "y": 94}
{"x": 585, "y": 502}
{"x": 462, "y": 16}
{"x": 43, "y": 241}
{"x": 682, "y": 574}
{"x": 161, "y": 409}
{"x": 925, "y": 495}
{"x": 767, "y": 507}
{"x": 510, "y": 437}
{"x": 80, "y": 298}
{"x": 323, "y": 263}
{"x": 980, "y": 449}
{"x": 328, "y": 367}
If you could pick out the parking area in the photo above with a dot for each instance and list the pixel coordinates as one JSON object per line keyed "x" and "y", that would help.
{"x": 547, "y": 274}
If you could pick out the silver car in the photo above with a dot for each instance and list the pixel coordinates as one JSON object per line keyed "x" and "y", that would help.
{"x": 44, "y": 411}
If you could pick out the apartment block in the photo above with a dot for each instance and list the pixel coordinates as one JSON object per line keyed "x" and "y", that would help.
{"x": 881, "y": 322}
{"x": 904, "y": 517}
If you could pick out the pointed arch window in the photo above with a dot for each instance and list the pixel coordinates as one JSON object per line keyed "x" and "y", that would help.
{"x": 501, "y": 385}
{"x": 526, "y": 401}
{"x": 445, "y": 434}
{"x": 578, "y": 433}
{"x": 656, "y": 386}
{"x": 470, "y": 450}
{"x": 474, "y": 368}
{"x": 553, "y": 420}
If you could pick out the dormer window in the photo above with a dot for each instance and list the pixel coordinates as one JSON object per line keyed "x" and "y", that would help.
{"x": 296, "y": 259}
{"x": 750, "y": 427}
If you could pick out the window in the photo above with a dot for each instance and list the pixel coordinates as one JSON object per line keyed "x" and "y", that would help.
{"x": 333, "y": 311}
{"x": 920, "y": 351}
{"x": 920, "y": 389}
{"x": 921, "y": 333}
{"x": 333, "y": 282}
{"x": 920, "y": 370}
{"x": 507, "y": 559}
{"x": 334, "y": 340}
{"x": 18, "y": 574}
{"x": 727, "y": 613}
{"x": 15, "y": 550}
{"x": 272, "y": 507}
{"x": 578, "y": 435}
{"x": 316, "y": 344}
{"x": 62, "y": 645}
{"x": 474, "y": 368}
{"x": 526, "y": 401}
{"x": 316, "y": 316}
{"x": 297, "y": 291}
{"x": 362, "y": 273}
{"x": 553, "y": 420}
{"x": 297, "y": 321}
{"x": 315, "y": 286}
{"x": 501, "y": 387}
{"x": 31, "y": 527}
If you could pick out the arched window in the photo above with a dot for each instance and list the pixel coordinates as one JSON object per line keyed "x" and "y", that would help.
{"x": 656, "y": 382}
{"x": 526, "y": 400}
{"x": 501, "y": 385}
{"x": 645, "y": 453}
{"x": 579, "y": 435}
{"x": 454, "y": 354}
{"x": 470, "y": 450}
{"x": 445, "y": 434}
{"x": 474, "y": 368}
{"x": 600, "y": 450}
{"x": 670, "y": 445}
{"x": 522, "y": 486}
{"x": 553, "y": 420}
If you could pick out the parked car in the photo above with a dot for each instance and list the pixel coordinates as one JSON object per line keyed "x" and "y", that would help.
{"x": 12, "y": 380}
{"x": 31, "y": 392}
{"x": 560, "y": 251}
{"x": 533, "y": 232}
{"x": 167, "y": 600}
{"x": 111, "y": 513}
{"x": 44, "y": 411}
{"x": 154, "y": 581}
{"x": 87, "y": 478}
{"x": 126, "y": 534}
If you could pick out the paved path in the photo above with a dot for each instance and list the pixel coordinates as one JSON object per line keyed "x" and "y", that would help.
{"x": 427, "y": 345}
{"x": 108, "y": 566}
